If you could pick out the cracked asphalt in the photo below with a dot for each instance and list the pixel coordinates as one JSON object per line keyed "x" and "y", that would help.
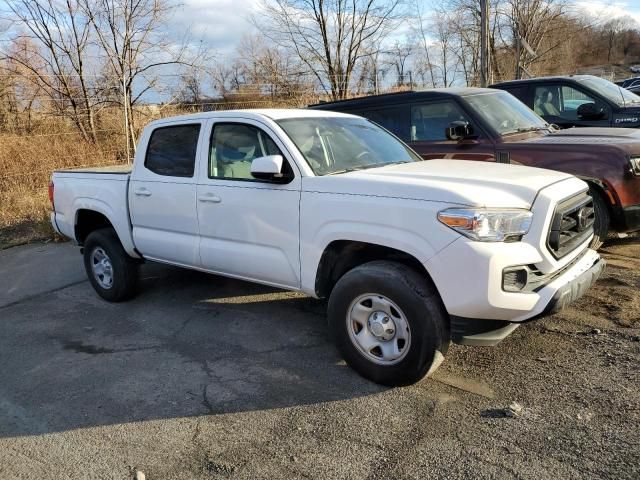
{"x": 202, "y": 377}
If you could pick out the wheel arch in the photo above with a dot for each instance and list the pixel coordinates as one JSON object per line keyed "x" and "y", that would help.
{"x": 603, "y": 188}
{"x": 87, "y": 221}
{"x": 340, "y": 256}
{"x": 606, "y": 194}
{"x": 92, "y": 214}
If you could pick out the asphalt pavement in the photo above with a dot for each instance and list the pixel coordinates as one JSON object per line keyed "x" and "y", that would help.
{"x": 205, "y": 377}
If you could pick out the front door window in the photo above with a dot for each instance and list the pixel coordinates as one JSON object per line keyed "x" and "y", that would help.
{"x": 561, "y": 101}
{"x": 429, "y": 121}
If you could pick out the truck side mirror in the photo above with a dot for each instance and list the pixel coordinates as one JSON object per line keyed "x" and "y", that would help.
{"x": 590, "y": 111}
{"x": 458, "y": 130}
{"x": 268, "y": 168}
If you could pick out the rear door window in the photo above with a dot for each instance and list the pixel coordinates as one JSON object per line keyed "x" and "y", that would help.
{"x": 395, "y": 119}
{"x": 520, "y": 92}
{"x": 172, "y": 150}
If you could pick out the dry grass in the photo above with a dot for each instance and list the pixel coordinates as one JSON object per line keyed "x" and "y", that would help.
{"x": 27, "y": 160}
{"x": 26, "y": 164}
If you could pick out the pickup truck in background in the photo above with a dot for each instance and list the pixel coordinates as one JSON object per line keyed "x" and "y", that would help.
{"x": 410, "y": 254}
{"x": 632, "y": 84}
{"x": 493, "y": 126}
{"x": 577, "y": 101}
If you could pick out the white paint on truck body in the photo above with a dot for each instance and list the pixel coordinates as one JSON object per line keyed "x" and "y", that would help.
{"x": 276, "y": 234}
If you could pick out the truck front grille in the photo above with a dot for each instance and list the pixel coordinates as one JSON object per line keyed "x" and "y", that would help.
{"x": 571, "y": 225}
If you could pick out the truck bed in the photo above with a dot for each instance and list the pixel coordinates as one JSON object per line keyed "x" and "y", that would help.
{"x": 101, "y": 189}
{"x": 111, "y": 169}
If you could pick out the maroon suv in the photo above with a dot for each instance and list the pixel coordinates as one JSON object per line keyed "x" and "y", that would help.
{"x": 493, "y": 126}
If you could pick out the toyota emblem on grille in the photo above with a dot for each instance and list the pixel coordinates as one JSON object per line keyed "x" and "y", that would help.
{"x": 583, "y": 218}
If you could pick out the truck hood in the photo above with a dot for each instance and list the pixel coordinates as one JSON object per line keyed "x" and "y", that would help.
{"x": 458, "y": 182}
{"x": 589, "y": 135}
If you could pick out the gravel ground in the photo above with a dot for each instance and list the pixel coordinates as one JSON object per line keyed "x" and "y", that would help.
{"x": 202, "y": 377}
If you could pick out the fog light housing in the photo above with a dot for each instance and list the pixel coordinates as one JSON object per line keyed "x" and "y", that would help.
{"x": 515, "y": 279}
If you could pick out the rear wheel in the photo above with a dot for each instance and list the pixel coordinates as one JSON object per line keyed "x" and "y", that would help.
{"x": 602, "y": 218}
{"x": 112, "y": 273}
{"x": 388, "y": 323}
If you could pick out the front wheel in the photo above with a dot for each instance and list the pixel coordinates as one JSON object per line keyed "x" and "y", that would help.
{"x": 112, "y": 273}
{"x": 388, "y": 323}
{"x": 601, "y": 221}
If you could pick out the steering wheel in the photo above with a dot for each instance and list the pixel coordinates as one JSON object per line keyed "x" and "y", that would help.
{"x": 508, "y": 124}
{"x": 363, "y": 154}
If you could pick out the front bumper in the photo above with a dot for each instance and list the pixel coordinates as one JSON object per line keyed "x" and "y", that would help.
{"x": 626, "y": 219}
{"x": 482, "y": 332}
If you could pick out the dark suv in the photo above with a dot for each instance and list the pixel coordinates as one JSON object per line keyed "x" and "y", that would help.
{"x": 577, "y": 101}
{"x": 493, "y": 126}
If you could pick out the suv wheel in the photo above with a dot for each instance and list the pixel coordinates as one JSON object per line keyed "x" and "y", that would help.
{"x": 112, "y": 273}
{"x": 388, "y": 323}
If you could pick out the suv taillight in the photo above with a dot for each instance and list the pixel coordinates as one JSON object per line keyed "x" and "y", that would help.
{"x": 51, "y": 193}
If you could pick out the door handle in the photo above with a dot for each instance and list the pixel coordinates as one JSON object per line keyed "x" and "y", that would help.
{"x": 142, "y": 192}
{"x": 210, "y": 198}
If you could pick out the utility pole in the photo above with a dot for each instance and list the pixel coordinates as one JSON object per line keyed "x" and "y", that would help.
{"x": 517, "y": 35}
{"x": 484, "y": 43}
{"x": 126, "y": 113}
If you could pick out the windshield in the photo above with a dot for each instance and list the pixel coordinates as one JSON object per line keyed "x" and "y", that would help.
{"x": 612, "y": 92}
{"x": 342, "y": 144}
{"x": 505, "y": 113}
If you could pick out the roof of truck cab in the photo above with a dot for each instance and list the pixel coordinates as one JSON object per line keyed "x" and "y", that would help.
{"x": 542, "y": 79}
{"x": 402, "y": 97}
{"x": 253, "y": 114}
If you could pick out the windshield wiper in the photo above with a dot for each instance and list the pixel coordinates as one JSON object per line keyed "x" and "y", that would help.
{"x": 525, "y": 129}
{"x": 366, "y": 166}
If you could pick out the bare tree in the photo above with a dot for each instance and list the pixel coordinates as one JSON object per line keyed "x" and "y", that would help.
{"x": 329, "y": 36}
{"x": 531, "y": 22}
{"x": 270, "y": 70}
{"x": 444, "y": 45}
{"x": 372, "y": 72}
{"x": 421, "y": 31}
{"x": 397, "y": 57}
{"x": 52, "y": 53}
{"x": 611, "y": 32}
{"x": 190, "y": 90}
{"x": 129, "y": 34}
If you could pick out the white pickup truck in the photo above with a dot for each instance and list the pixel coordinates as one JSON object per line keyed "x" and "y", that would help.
{"x": 411, "y": 254}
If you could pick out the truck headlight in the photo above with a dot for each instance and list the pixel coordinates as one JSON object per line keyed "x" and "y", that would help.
{"x": 487, "y": 224}
{"x": 634, "y": 161}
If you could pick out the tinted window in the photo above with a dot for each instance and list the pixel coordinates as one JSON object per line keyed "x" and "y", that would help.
{"x": 429, "y": 121}
{"x": 395, "y": 119}
{"x": 172, "y": 150}
{"x": 233, "y": 148}
{"x": 517, "y": 91}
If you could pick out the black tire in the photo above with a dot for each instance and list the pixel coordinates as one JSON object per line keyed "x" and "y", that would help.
{"x": 602, "y": 218}
{"x": 418, "y": 301}
{"x": 124, "y": 269}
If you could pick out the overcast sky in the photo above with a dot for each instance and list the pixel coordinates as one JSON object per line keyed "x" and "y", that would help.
{"x": 607, "y": 9}
{"x": 221, "y": 24}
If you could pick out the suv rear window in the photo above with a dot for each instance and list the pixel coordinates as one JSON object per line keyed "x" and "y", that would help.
{"x": 172, "y": 150}
{"x": 394, "y": 118}
{"x": 518, "y": 91}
